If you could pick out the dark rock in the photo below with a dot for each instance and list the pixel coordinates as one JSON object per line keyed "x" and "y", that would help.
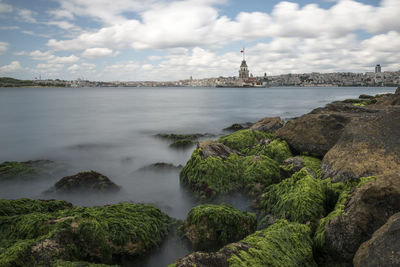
{"x": 269, "y": 124}
{"x": 314, "y": 133}
{"x": 161, "y": 166}
{"x": 397, "y": 91}
{"x": 290, "y": 166}
{"x": 383, "y": 248}
{"x": 176, "y": 137}
{"x": 89, "y": 181}
{"x": 367, "y": 209}
{"x": 213, "y": 226}
{"x": 363, "y": 96}
{"x": 238, "y": 126}
{"x": 211, "y": 148}
{"x": 370, "y": 145}
{"x": 28, "y": 170}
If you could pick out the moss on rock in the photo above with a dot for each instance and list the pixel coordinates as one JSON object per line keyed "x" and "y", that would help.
{"x": 94, "y": 234}
{"x": 244, "y": 140}
{"x": 61, "y": 263}
{"x": 282, "y": 244}
{"x": 27, "y": 170}
{"x": 212, "y": 175}
{"x": 209, "y": 226}
{"x": 183, "y": 143}
{"x": 277, "y": 149}
{"x": 260, "y": 172}
{"x": 300, "y": 198}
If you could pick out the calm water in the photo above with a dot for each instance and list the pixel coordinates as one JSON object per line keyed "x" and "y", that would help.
{"x": 111, "y": 130}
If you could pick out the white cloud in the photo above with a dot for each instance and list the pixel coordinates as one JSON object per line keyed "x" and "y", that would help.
{"x": 12, "y": 67}
{"x": 3, "y": 47}
{"x": 5, "y": 8}
{"x": 27, "y": 15}
{"x": 52, "y": 59}
{"x": 97, "y": 52}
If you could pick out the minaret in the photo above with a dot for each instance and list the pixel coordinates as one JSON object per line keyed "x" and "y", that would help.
{"x": 243, "y": 71}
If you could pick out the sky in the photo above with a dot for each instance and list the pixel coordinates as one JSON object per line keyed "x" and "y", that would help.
{"x": 166, "y": 40}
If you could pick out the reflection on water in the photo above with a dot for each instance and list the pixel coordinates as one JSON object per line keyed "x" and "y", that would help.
{"x": 111, "y": 130}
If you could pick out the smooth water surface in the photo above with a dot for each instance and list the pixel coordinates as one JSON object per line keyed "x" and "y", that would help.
{"x": 111, "y": 130}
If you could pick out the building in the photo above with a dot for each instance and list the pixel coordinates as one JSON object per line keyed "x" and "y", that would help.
{"x": 244, "y": 70}
{"x": 378, "y": 68}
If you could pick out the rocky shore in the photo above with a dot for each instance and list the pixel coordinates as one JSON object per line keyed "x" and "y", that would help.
{"x": 325, "y": 188}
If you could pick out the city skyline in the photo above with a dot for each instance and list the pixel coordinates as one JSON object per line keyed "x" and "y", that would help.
{"x": 164, "y": 40}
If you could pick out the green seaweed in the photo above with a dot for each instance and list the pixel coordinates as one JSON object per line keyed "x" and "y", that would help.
{"x": 212, "y": 175}
{"x": 76, "y": 233}
{"x": 278, "y": 150}
{"x": 217, "y": 225}
{"x": 61, "y": 263}
{"x": 300, "y": 198}
{"x": 182, "y": 143}
{"x": 282, "y": 244}
{"x": 244, "y": 140}
{"x": 314, "y": 164}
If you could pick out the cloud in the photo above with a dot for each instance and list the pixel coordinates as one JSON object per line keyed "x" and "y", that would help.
{"x": 27, "y": 15}
{"x": 3, "y": 47}
{"x": 52, "y": 59}
{"x": 97, "y": 52}
{"x": 5, "y": 8}
{"x": 12, "y": 67}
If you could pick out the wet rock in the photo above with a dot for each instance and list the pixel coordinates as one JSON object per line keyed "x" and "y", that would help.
{"x": 397, "y": 91}
{"x": 294, "y": 164}
{"x": 370, "y": 145}
{"x": 238, "y": 126}
{"x": 213, "y": 226}
{"x": 89, "y": 181}
{"x": 314, "y": 133}
{"x": 43, "y": 236}
{"x": 367, "y": 209}
{"x": 214, "y": 149}
{"x": 276, "y": 149}
{"x": 28, "y": 170}
{"x": 364, "y": 96}
{"x": 383, "y": 248}
{"x": 268, "y": 124}
{"x": 282, "y": 244}
{"x": 183, "y": 143}
{"x": 161, "y": 166}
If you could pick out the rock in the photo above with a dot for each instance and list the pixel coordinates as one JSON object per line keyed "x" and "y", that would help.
{"x": 300, "y": 198}
{"x": 266, "y": 221}
{"x": 282, "y": 244}
{"x": 161, "y": 166}
{"x": 213, "y": 226}
{"x": 89, "y": 181}
{"x": 176, "y": 137}
{"x": 292, "y": 165}
{"x": 268, "y": 124}
{"x": 28, "y": 170}
{"x": 370, "y": 145}
{"x": 397, "y": 91}
{"x": 277, "y": 149}
{"x": 383, "y": 248}
{"x": 43, "y": 236}
{"x": 183, "y": 143}
{"x": 364, "y": 96}
{"x": 238, "y": 126}
{"x": 244, "y": 140}
{"x": 314, "y": 133}
{"x": 367, "y": 209}
{"x": 214, "y": 149}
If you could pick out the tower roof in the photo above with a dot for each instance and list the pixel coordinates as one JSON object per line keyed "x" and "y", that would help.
{"x": 244, "y": 64}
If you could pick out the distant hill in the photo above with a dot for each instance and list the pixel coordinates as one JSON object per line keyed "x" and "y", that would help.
{"x": 11, "y": 82}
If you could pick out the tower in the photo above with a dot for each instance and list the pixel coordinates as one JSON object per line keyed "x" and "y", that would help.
{"x": 244, "y": 70}
{"x": 378, "y": 68}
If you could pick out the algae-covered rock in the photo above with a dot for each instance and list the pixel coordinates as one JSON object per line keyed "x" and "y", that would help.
{"x": 209, "y": 226}
{"x": 275, "y": 149}
{"x": 370, "y": 145}
{"x": 357, "y": 215}
{"x": 212, "y": 175}
{"x": 260, "y": 172}
{"x": 95, "y": 234}
{"x": 268, "y": 124}
{"x": 300, "y": 198}
{"x": 383, "y": 248}
{"x": 244, "y": 140}
{"x": 28, "y": 170}
{"x": 61, "y": 263}
{"x": 238, "y": 126}
{"x": 183, "y": 143}
{"x": 214, "y": 149}
{"x": 282, "y": 244}
{"x": 292, "y": 165}
{"x": 161, "y": 166}
{"x": 89, "y": 181}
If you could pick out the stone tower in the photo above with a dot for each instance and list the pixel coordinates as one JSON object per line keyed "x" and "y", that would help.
{"x": 244, "y": 70}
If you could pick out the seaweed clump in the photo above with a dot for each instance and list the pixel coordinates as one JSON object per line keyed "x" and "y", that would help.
{"x": 277, "y": 149}
{"x": 56, "y": 230}
{"x": 300, "y": 198}
{"x": 208, "y": 226}
{"x": 27, "y": 170}
{"x": 244, "y": 140}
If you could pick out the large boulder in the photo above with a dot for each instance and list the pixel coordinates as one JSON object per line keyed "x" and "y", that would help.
{"x": 213, "y": 226}
{"x": 89, "y": 181}
{"x": 314, "y": 133}
{"x": 268, "y": 124}
{"x": 368, "y": 208}
{"x": 369, "y": 145}
{"x": 383, "y": 248}
{"x": 39, "y": 233}
{"x": 282, "y": 244}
